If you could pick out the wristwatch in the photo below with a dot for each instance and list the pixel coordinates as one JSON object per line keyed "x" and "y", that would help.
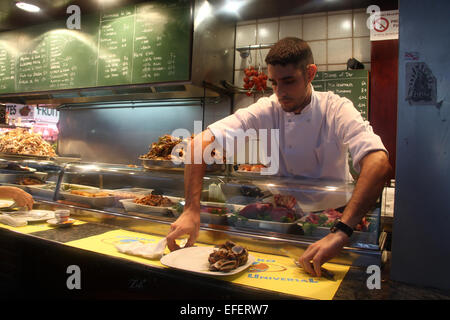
{"x": 339, "y": 225}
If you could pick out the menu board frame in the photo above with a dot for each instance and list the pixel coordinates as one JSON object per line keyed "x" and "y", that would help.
{"x": 41, "y": 67}
{"x": 351, "y": 84}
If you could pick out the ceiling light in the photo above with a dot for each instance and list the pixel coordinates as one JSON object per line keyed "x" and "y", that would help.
{"x": 233, "y": 6}
{"x": 28, "y": 7}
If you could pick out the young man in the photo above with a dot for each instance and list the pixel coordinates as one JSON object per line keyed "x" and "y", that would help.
{"x": 316, "y": 130}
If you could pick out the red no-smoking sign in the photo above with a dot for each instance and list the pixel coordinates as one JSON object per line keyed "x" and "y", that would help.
{"x": 381, "y": 24}
{"x": 384, "y": 25}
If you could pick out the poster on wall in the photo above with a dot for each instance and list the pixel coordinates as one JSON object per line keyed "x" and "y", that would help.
{"x": 384, "y": 25}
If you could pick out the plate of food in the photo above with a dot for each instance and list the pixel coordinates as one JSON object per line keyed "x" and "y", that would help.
{"x": 227, "y": 259}
{"x": 153, "y": 204}
{"x": 163, "y": 156}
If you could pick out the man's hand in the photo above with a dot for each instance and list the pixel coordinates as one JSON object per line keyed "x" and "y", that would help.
{"x": 321, "y": 251}
{"x": 22, "y": 198}
{"x": 187, "y": 223}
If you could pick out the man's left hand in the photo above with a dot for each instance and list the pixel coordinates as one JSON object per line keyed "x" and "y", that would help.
{"x": 321, "y": 251}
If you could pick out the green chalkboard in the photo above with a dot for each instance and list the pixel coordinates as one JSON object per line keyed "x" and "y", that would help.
{"x": 351, "y": 84}
{"x": 144, "y": 43}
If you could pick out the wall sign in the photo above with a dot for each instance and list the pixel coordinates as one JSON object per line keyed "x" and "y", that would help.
{"x": 384, "y": 26}
{"x": 30, "y": 113}
{"x": 420, "y": 84}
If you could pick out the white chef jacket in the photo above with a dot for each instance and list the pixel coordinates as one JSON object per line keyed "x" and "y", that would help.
{"x": 312, "y": 144}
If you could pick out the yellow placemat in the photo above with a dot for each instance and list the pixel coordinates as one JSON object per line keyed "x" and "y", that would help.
{"x": 35, "y": 227}
{"x": 104, "y": 243}
{"x": 279, "y": 273}
{"x": 269, "y": 272}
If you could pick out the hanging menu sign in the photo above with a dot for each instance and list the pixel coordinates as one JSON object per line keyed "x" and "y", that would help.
{"x": 144, "y": 43}
{"x": 351, "y": 84}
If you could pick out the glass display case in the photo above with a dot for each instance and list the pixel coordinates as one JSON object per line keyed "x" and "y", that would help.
{"x": 233, "y": 203}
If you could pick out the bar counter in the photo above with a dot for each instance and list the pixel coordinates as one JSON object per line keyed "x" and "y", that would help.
{"x": 34, "y": 265}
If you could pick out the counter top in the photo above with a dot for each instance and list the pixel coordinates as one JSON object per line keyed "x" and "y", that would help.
{"x": 44, "y": 248}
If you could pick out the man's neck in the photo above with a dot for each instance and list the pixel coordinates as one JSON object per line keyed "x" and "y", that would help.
{"x": 305, "y": 102}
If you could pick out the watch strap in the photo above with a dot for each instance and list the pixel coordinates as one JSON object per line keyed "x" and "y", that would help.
{"x": 339, "y": 225}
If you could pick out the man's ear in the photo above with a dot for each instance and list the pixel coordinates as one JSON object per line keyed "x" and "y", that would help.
{"x": 311, "y": 71}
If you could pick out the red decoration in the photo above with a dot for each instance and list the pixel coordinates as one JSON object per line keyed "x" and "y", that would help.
{"x": 254, "y": 81}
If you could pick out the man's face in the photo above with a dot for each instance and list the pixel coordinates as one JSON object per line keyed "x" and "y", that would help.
{"x": 290, "y": 85}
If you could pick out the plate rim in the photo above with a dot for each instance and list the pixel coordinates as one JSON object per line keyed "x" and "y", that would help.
{"x": 250, "y": 261}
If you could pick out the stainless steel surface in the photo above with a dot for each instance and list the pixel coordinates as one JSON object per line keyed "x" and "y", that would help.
{"x": 214, "y": 236}
{"x": 120, "y": 135}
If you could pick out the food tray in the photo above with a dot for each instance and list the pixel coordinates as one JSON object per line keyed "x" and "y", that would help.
{"x": 48, "y": 190}
{"x": 129, "y": 193}
{"x": 41, "y": 190}
{"x": 169, "y": 165}
{"x": 213, "y": 218}
{"x": 131, "y": 206}
{"x": 95, "y": 202}
{"x": 16, "y": 176}
{"x": 24, "y": 156}
{"x": 280, "y": 227}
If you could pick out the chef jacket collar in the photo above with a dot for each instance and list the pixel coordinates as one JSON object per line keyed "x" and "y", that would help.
{"x": 305, "y": 109}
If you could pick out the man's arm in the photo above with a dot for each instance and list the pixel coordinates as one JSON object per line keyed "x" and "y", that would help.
{"x": 22, "y": 198}
{"x": 189, "y": 221}
{"x": 375, "y": 170}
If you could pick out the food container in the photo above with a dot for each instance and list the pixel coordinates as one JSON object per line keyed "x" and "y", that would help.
{"x": 13, "y": 177}
{"x": 24, "y": 156}
{"x": 94, "y": 202}
{"x": 206, "y": 216}
{"x": 131, "y": 206}
{"x": 280, "y": 227}
{"x": 48, "y": 190}
{"x": 44, "y": 191}
{"x": 128, "y": 193}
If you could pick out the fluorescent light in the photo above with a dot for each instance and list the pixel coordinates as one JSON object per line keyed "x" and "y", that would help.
{"x": 204, "y": 12}
{"x": 28, "y": 7}
{"x": 233, "y": 6}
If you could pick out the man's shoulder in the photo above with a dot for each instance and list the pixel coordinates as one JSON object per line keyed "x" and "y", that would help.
{"x": 262, "y": 106}
{"x": 330, "y": 97}
{"x": 330, "y": 102}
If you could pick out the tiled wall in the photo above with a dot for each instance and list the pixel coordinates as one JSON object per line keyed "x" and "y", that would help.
{"x": 334, "y": 37}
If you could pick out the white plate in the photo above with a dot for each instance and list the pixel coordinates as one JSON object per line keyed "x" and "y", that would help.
{"x": 35, "y": 215}
{"x": 195, "y": 259}
{"x": 6, "y": 203}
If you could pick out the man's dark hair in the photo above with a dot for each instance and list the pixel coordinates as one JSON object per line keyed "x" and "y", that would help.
{"x": 290, "y": 50}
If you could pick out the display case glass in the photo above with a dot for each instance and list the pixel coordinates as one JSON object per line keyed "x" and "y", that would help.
{"x": 232, "y": 200}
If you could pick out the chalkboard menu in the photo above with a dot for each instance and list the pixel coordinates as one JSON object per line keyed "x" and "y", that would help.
{"x": 351, "y": 84}
{"x": 144, "y": 43}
